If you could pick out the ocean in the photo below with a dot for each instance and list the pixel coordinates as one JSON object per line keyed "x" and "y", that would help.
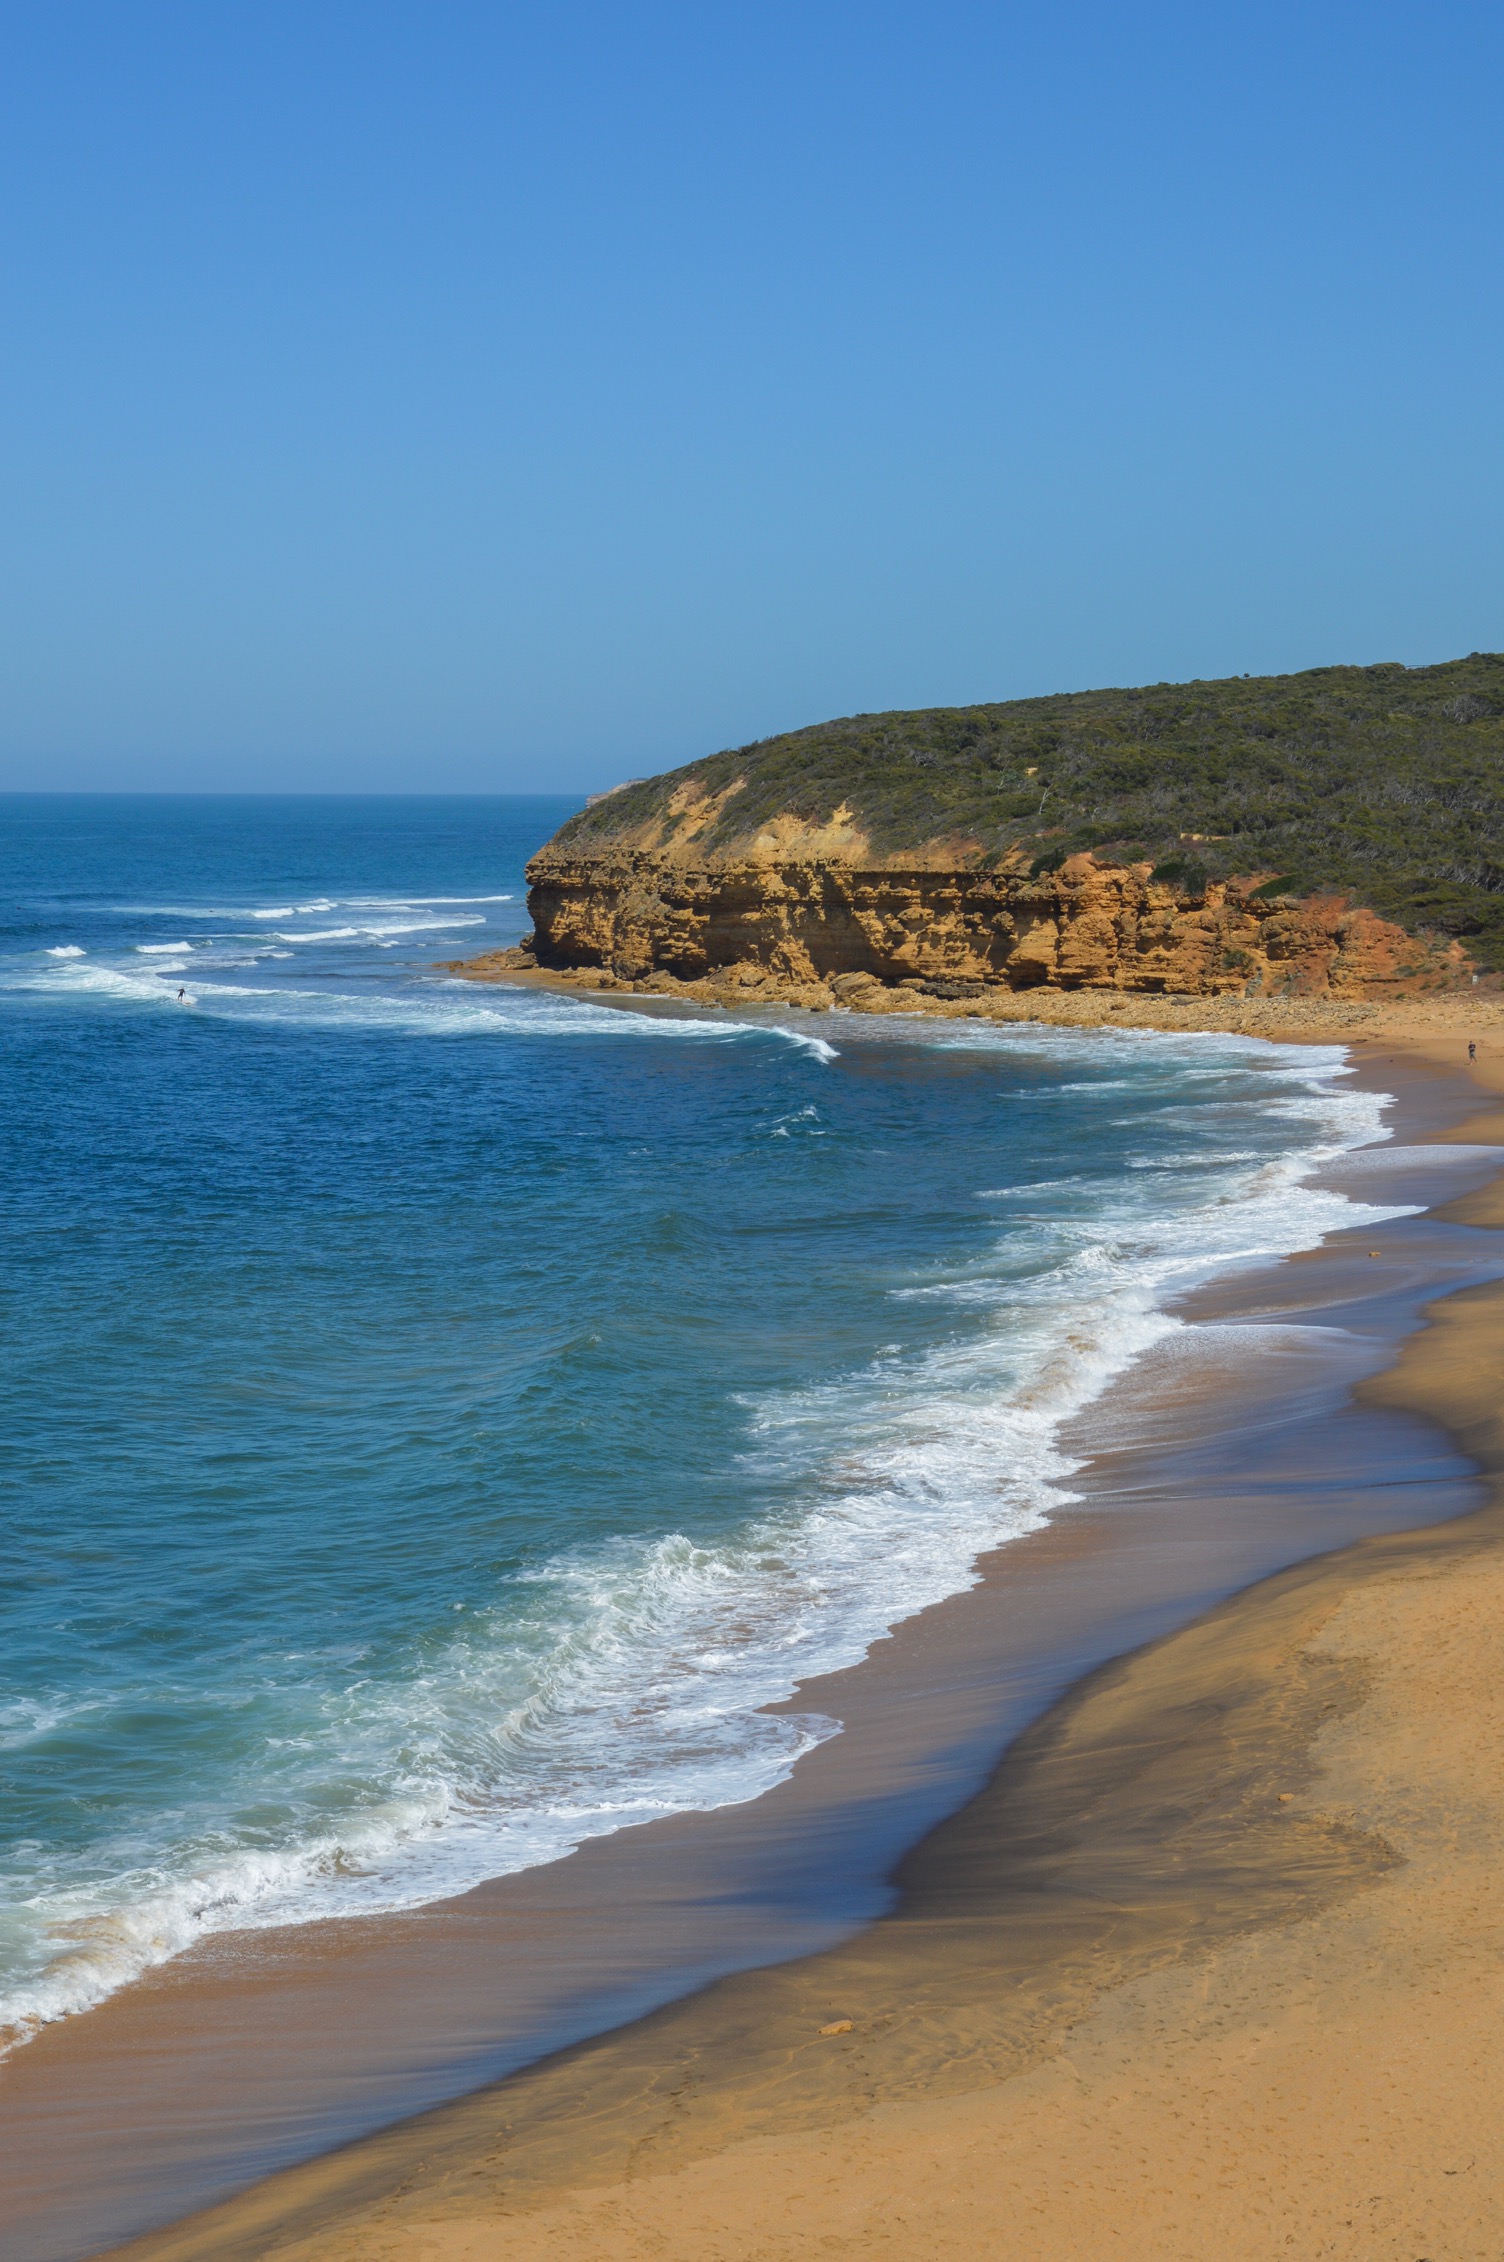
{"x": 439, "y": 1419}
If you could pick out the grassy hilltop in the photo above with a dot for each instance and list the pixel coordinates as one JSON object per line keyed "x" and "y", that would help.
{"x": 1386, "y": 781}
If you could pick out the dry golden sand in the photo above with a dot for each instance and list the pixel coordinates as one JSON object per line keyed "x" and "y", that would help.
{"x": 1213, "y": 1968}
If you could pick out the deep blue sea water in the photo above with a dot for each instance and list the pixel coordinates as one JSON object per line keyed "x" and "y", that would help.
{"x": 436, "y": 1419}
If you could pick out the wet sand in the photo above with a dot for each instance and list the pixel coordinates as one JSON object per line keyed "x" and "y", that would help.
{"x": 269, "y": 2044}
{"x": 1211, "y": 1969}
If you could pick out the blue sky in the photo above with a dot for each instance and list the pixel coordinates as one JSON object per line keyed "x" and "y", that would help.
{"x": 482, "y": 397}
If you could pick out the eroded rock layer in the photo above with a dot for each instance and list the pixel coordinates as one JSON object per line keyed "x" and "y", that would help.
{"x": 640, "y": 916}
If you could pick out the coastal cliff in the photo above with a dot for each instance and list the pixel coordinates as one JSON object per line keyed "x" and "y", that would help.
{"x": 799, "y": 923}
{"x": 1334, "y": 834}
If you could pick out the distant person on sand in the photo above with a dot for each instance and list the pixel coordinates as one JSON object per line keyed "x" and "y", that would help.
{"x": 1472, "y": 1050}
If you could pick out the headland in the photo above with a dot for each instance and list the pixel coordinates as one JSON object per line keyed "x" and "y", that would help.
{"x": 1324, "y": 835}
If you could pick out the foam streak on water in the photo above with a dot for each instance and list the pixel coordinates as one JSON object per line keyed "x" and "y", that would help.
{"x": 450, "y": 1416}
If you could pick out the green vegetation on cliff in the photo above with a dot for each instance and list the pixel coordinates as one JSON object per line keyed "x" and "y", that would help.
{"x": 1386, "y": 781}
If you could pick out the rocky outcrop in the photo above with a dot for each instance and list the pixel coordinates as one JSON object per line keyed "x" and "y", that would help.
{"x": 641, "y": 915}
{"x": 1246, "y": 835}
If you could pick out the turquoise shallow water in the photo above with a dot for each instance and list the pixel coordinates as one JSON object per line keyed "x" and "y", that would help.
{"x": 436, "y": 1419}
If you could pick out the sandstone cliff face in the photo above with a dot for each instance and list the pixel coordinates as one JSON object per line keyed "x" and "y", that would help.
{"x": 643, "y": 915}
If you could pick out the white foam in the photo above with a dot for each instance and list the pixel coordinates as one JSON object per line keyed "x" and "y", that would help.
{"x": 148, "y": 986}
{"x": 66, "y": 950}
{"x": 819, "y": 1046}
{"x": 632, "y": 1680}
{"x": 1211, "y": 1160}
{"x": 223, "y": 912}
{"x": 389, "y": 927}
{"x": 451, "y": 1008}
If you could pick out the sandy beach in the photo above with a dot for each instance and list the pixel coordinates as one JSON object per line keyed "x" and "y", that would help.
{"x": 752, "y": 1064}
{"x": 1209, "y": 1967}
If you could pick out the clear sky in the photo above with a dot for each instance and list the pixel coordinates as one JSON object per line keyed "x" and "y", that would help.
{"x": 453, "y": 395}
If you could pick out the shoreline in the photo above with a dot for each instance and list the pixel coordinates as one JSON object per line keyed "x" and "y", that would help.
{"x": 1325, "y": 1017}
{"x": 243, "y": 2224}
{"x": 1170, "y": 1902}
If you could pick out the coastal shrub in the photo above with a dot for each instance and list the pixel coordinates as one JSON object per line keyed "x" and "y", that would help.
{"x": 1386, "y": 782}
{"x": 1184, "y": 873}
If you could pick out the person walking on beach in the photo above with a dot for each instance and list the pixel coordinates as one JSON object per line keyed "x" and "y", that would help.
{"x": 1472, "y": 1050}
